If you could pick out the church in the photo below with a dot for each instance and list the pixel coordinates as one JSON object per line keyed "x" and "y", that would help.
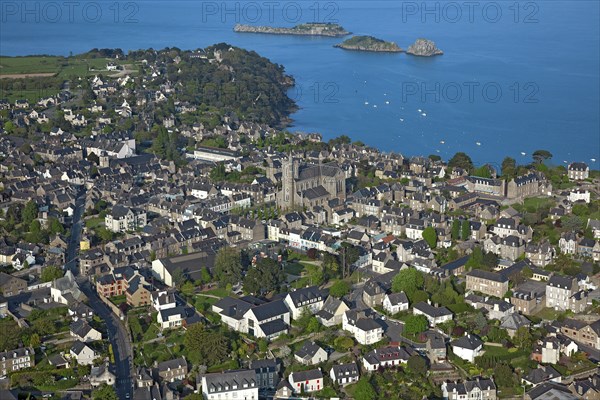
{"x": 309, "y": 185}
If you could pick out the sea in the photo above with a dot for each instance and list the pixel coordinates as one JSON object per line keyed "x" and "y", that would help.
{"x": 515, "y": 76}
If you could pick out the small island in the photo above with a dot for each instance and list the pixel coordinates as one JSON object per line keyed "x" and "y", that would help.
{"x": 424, "y": 48}
{"x": 308, "y": 29}
{"x": 369, "y": 43}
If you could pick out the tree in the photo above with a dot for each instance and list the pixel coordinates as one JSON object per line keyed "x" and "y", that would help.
{"x": 54, "y": 226}
{"x": 415, "y": 324}
{"x": 331, "y": 265}
{"x": 461, "y": 160}
{"x": 30, "y": 212}
{"x": 408, "y": 280}
{"x": 417, "y": 365}
{"x": 34, "y": 341}
{"x": 523, "y": 338}
{"x": 430, "y": 236}
{"x": 504, "y": 375}
{"x": 205, "y": 346}
{"x": 509, "y": 167}
{"x": 93, "y": 158}
{"x": 572, "y": 223}
{"x": 187, "y": 288}
{"x": 465, "y": 230}
{"x": 339, "y": 289}
{"x": 51, "y": 273}
{"x": 265, "y": 277}
{"x": 455, "y": 229}
{"x": 364, "y": 390}
{"x": 343, "y": 343}
{"x": 539, "y": 156}
{"x": 228, "y": 266}
{"x": 104, "y": 392}
{"x": 476, "y": 259}
{"x": 483, "y": 172}
{"x": 205, "y": 275}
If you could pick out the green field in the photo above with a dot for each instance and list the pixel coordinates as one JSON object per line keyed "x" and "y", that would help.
{"x": 60, "y": 66}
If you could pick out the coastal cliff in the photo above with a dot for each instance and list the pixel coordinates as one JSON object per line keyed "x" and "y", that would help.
{"x": 308, "y": 29}
{"x": 424, "y": 48}
{"x": 369, "y": 43}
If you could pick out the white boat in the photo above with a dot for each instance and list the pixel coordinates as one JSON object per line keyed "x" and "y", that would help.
{"x": 523, "y": 153}
{"x": 442, "y": 142}
{"x": 592, "y": 159}
{"x": 374, "y": 105}
{"x": 419, "y": 110}
{"x": 478, "y": 143}
{"x": 366, "y": 103}
{"x": 387, "y": 102}
{"x": 401, "y": 119}
{"x": 424, "y": 114}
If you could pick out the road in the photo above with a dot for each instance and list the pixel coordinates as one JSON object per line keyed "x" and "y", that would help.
{"x": 117, "y": 334}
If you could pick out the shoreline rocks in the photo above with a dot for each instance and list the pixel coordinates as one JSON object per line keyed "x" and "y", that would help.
{"x": 369, "y": 43}
{"x": 424, "y": 48}
{"x": 308, "y": 29}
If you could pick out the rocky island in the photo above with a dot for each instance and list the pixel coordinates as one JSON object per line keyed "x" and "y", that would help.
{"x": 424, "y": 48}
{"x": 308, "y": 29}
{"x": 369, "y": 43}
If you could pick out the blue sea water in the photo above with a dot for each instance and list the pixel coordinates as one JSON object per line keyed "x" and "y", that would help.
{"x": 515, "y": 76}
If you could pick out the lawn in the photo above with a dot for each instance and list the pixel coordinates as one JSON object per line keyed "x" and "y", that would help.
{"x": 550, "y": 314}
{"x": 94, "y": 222}
{"x": 61, "y": 66}
{"x": 219, "y": 292}
{"x": 118, "y": 300}
{"x": 294, "y": 268}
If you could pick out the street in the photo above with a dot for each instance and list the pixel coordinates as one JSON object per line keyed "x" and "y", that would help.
{"x": 117, "y": 334}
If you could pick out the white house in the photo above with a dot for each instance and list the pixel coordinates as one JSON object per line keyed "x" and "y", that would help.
{"x": 100, "y": 375}
{"x": 345, "y": 374}
{"x": 122, "y": 219}
{"x": 82, "y": 331}
{"x": 267, "y": 320}
{"x": 240, "y": 384}
{"x": 385, "y": 357}
{"x": 467, "y": 347}
{"x": 171, "y": 317}
{"x": 309, "y": 299}
{"x": 310, "y": 354}
{"x": 365, "y": 328}
{"x": 332, "y": 312}
{"x": 307, "y": 381}
{"x": 395, "y": 302}
{"x": 579, "y": 195}
{"x": 435, "y": 315}
{"x": 81, "y": 352}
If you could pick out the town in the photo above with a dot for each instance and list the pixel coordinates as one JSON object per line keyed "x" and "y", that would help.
{"x": 165, "y": 237}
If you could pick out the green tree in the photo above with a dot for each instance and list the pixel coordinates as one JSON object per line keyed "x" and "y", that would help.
{"x": 504, "y": 375}
{"x": 523, "y": 338}
{"x": 409, "y": 281}
{"x": 205, "y": 275}
{"x": 476, "y": 259}
{"x": 509, "y": 167}
{"x": 30, "y": 212}
{"x": 339, "y": 289}
{"x": 430, "y": 236}
{"x": 205, "y": 347}
{"x": 461, "y": 160}
{"x": 539, "y": 156}
{"x": 54, "y": 226}
{"x": 34, "y": 340}
{"x": 51, "y": 273}
{"x": 465, "y": 230}
{"x": 483, "y": 172}
{"x": 364, "y": 390}
{"x": 417, "y": 365}
{"x": 187, "y": 288}
{"x": 266, "y": 276}
{"x": 456, "y": 229}
{"x": 415, "y": 324}
{"x": 104, "y": 392}
{"x": 228, "y": 266}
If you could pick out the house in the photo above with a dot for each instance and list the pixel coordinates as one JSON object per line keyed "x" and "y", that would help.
{"x": 101, "y": 375}
{"x": 309, "y": 299}
{"x": 562, "y": 293}
{"x": 486, "y": 282}
{"x": 138, "y": 292}
{"x": 435, "y": 347}
{"x": 123, "y": 219}
{"x": 79, "y": 310}
{"x": 189, "y": 265}
{"x": 550, "y": 390}
{"x": 81, "y": 352}
{"x": 543, "y": 373}
{"x": 170, "y": 318}
{"x": 480, "y": 389}
{"x": 529, "y": 297}
{"x": 11, "y": 285}
{"x": 395, "y": 302}
{"x": 17, "y": 359}
{"x": 240, "y": 384}
{"x": 578, "y": 171}
{"x": 467, "y": 347}
{"x": 306, "y": 381}
{"x": 513, "y": 322}
{"x": 550, "y": 350}
{"x": 82, "y": 331}
{"x": 587, "y": 334}
{"x": 332, "y": 312}
{"x": 385, "y": 357}
{"x": 310, "y": 354}
{"x": 435, "y": 315}
{"x": 588, "y": 388}
{"x": 363, "y": 325}
{"x": 267, "y": 373}
{"x": 253, "y": 316}
{"x": 172, "y": 370}
{"x": 344, "y": 374}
